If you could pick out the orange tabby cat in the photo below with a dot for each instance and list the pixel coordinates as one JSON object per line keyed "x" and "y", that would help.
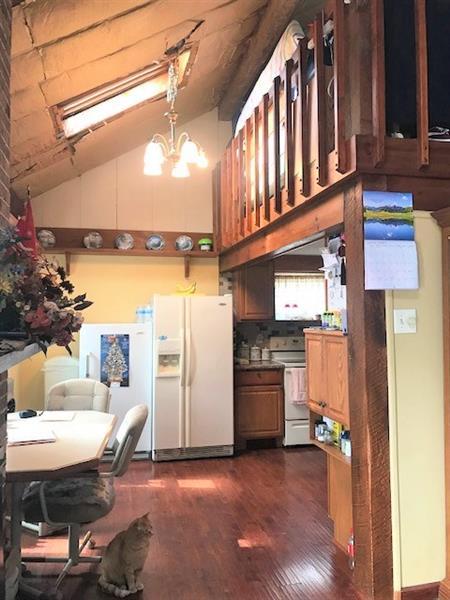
{"x": 124, "y": 559}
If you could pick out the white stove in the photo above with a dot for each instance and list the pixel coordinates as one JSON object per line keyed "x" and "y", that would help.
{"x": 290, "y": 351}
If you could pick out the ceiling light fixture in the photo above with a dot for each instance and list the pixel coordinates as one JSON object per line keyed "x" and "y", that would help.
{"x": 99, "y": 106}
{"x": 179, "y": 152}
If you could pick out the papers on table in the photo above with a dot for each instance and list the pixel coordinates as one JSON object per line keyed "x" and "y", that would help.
{"x": 27, "y": 434}
{"x": 391, "y": 265}
{"x": 57, "y": 415}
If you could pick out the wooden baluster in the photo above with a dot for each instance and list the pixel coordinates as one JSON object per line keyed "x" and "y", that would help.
{"x": 290, "y": 148}
{"x": 256, "y": 164}
{"x": 422, "y": 83}
{"x": 302, "y": 130}
{"x": 320, "y": 107}
{"x": 265, "y": 136}
{"x": 229, "y": 196}
{"x": 248, "y": 179}
{"x": 218, "y": 201}
{"x": 378, "y": 81}
{"x": 235, "y": 191}
{"x": 241, "y": 184}
{"x": 276, "y": 142}
{"x": 339, "y": 86}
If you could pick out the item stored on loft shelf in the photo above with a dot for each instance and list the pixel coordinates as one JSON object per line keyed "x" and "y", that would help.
{"x": 184, "y": 243}
{"x": 46, "y": 239}
{"x": 93, "y": 240}
{"x": 205, "y": 244}
{"x": 155, "y": 242}
{"x": 124, "y": 241}
{"x": 187, "y": 291}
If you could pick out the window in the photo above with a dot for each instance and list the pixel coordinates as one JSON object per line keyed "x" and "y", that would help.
{"x": 299, "y": 296}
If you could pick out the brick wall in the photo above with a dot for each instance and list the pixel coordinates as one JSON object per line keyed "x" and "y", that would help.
{"x": 5, "y": 45}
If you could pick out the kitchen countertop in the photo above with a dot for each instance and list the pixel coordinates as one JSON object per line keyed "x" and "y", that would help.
{"x": 259, "y": 365}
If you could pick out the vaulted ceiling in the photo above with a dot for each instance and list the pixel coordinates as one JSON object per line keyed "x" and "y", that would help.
{"x": 63, "y": 48}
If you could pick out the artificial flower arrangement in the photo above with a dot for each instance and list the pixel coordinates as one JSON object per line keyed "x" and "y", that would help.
{"x": 36, "y": 298}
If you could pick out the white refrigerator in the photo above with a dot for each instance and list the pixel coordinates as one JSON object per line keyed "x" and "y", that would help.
{"x": 120, "y": 355}
{"x": 193, "y": 377}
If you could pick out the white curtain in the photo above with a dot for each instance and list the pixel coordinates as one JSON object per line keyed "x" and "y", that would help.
{"x": 299, "y": 296}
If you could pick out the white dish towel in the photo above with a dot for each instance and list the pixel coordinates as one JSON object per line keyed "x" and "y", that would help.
{"x": 296, "y": 385}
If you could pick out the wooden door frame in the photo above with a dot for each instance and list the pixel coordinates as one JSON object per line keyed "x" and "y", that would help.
{"x": 443, "y": 219}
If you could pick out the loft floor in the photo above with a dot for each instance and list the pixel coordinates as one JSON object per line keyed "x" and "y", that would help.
{"x": 252, "y": 527}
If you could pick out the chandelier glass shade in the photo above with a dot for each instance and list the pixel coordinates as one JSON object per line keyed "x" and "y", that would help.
{"x": 179, "y": 152}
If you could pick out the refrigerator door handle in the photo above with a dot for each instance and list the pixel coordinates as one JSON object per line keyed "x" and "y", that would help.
{"x": 188, "y": 350}
{"x": 87, "y": 365}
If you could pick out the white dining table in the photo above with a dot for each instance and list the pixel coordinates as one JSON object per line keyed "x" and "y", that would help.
{"x": 78, "y": 448}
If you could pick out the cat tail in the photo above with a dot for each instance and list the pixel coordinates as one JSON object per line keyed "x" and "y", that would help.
{"x": 112, "y": 589}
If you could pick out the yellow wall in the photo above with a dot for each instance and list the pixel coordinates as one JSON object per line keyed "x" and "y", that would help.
{"x": 116, "y": 285}
{"x": 415, "y": 364}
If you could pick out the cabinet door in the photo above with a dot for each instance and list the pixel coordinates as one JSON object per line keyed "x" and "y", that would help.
{"x": 254, "y": 290}
{"x": 340, "y": 499}
{"x": 314, "y": 370}
{"x": 259, "y": 412}
{"x": 335, "y": 369}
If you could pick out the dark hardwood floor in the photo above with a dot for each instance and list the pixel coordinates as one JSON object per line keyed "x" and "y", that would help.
{"x": 251, "y": 527}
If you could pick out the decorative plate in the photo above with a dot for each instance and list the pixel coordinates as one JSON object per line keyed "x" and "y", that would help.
{"x": 93, "y": 240}
{"x": 124, "y": 241}
{"x": 155, "y": 242}
{"x": 184, "y": 243}
{"x": 46, "y": 238}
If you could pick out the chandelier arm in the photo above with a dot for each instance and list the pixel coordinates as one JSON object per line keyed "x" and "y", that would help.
{"x": 184, "y": 137}
{"x": 160, "y": 139}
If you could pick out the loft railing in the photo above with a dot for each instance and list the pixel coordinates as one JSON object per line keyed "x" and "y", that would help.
{"x": 293, "y": 145}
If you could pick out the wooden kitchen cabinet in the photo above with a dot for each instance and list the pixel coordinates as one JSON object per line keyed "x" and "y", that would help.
{"x": 259, "y": 405}
{"x": 327, "y": 373}
{"x": 254, "y": 292}
{"x": 340, "y": 499}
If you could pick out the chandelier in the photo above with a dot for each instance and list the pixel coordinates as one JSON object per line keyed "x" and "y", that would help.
{"x": 181, "y": 152}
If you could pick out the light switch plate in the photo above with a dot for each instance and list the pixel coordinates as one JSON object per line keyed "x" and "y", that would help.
{"x": 405, "y": 320}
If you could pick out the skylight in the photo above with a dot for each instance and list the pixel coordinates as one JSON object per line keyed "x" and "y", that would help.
{"x": 99, "y": 106}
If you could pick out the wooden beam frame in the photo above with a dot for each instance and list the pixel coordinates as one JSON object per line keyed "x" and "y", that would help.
{"x": 368, "y": 396}
{"x": 256, "y": 120}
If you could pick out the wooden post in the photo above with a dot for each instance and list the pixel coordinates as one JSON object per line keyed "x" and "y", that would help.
{"x": 320, "y": 111}
{"x": 378, "y": 81}
{"x": 265, "y": 140}
{"x": 217, "y": 192}
{"x": 241, "y": 184}
{"x": 247, "y": 176}
{"x": 302, "y": 129}
{"x": 276, "y": 142}
{"x": 339, "y": 86}
{"x": 443, "y": 218}
{"x": 368, "y": 396}
{"x": 290, "y": 148}
{"x": 422, "y": 83}
{"x": 256, "y": 165}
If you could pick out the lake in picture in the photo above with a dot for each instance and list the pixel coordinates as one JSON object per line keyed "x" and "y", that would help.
{"x": 388, "y": 216}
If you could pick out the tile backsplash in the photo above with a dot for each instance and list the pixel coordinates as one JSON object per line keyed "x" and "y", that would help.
{"x": 249, "y": 331}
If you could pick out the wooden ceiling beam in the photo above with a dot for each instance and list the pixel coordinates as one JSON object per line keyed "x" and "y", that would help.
{"x": 273, "y": 23}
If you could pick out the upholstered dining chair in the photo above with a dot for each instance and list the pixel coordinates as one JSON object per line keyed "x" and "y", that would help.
{"x": 76, "y": 501}
{"x": 78, "y": 394}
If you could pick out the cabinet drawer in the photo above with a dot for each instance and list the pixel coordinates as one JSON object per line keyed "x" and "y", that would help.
{"x": 263, "y": 377}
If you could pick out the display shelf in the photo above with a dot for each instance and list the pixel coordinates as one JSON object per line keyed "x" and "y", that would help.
{"x": 332, "y": 451}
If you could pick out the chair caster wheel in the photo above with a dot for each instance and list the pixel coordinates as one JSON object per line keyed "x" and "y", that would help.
{"x": 91, "y": 544}
{"x": 25, "y": 571}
